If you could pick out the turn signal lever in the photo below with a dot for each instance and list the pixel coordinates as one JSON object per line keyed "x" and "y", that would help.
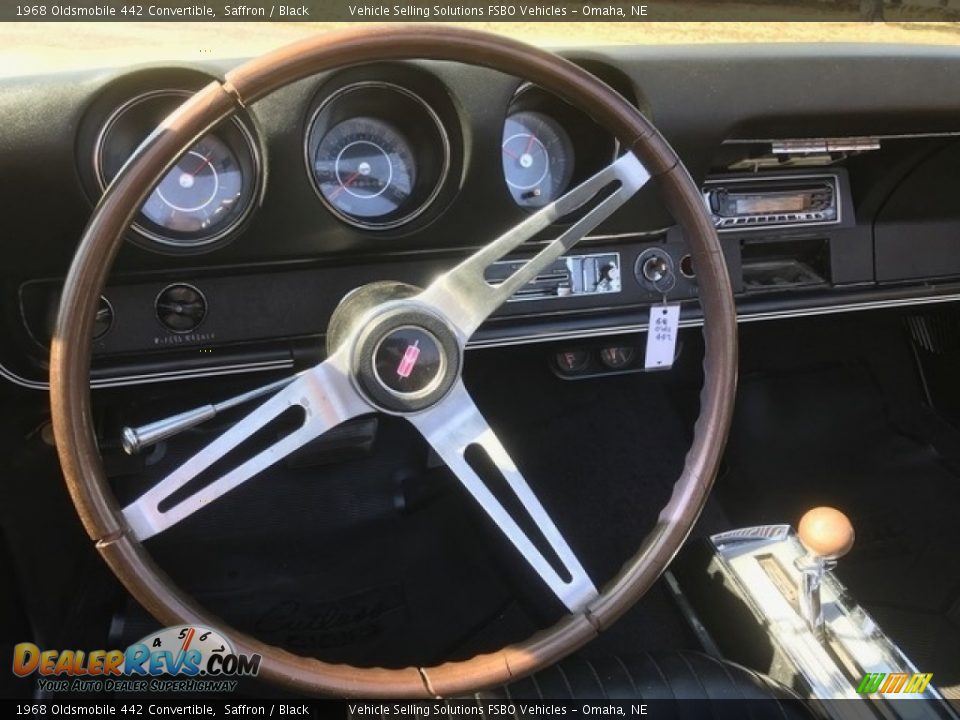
{"x": 827, "y": 535}
{"x": 136, "y": 439}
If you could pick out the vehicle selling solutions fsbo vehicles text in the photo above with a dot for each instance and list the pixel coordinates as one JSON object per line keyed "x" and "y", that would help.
{"x": 495, "y": 11}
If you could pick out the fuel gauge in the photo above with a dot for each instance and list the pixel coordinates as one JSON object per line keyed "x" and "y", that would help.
{"x": 572, "y": 361}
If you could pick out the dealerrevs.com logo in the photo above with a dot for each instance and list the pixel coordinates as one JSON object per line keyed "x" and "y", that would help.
{"x": 176, "y": 659}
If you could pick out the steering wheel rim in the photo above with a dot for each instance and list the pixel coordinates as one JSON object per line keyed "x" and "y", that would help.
{"x": 71, "y": 352}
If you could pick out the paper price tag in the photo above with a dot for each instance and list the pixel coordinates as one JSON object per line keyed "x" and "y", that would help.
{"x": 662, "y": 336}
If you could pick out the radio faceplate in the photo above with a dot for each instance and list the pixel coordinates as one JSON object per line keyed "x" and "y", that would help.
{"x": 764, "y": 201}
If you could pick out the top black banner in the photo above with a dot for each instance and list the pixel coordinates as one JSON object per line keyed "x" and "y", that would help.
{"x": 481, "y": 11}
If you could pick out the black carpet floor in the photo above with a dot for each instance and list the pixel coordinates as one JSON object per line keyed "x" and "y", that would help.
{"x": 385, "y": 559}
{"x": 840, "y": 434}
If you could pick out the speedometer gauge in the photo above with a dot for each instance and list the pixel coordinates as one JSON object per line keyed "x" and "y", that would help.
{"x": 377, "y": 154}
{"x": 365, "y": 168}
{"x": 537, "y": 157}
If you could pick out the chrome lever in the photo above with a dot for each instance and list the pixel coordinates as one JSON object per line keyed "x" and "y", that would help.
{"x": 135, "y": 439}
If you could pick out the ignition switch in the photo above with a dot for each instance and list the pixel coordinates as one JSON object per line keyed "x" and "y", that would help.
{"x": 655, "y": 271}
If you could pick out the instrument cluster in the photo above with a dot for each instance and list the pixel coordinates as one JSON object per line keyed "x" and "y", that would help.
{"x": 382, "y": 156}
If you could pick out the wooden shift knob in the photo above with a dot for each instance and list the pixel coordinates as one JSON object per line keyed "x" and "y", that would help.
{"x": 826, "y": 533}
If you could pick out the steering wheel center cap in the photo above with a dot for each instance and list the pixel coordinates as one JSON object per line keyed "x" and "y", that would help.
{"x": 406, "y": 360}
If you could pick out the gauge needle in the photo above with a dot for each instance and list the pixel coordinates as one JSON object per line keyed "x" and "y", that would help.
{"x": 185, "y": 646}
{"x": 345, "y": 184}
{"x": 529, "y": 147}
{"x": 510, "y": 153}
{"x": 206, "y": 161}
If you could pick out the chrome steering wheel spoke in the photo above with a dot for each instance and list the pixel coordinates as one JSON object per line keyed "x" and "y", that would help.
{"x": 327, "y": 397}
{"x": 454, "y": 427}
{"x": 405, "y": 359}
{"x": 463, "y": 293}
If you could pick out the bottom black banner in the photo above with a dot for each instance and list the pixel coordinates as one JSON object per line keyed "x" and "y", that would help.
{"x": 488, "y": 709}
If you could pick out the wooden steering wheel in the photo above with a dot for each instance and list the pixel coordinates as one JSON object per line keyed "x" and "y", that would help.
{"x": 370, "y": 328}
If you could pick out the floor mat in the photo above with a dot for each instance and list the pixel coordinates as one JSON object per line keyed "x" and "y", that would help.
{"x": 824, "y": 436}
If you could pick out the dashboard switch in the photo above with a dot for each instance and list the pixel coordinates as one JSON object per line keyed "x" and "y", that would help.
{"x": 181, "y": 308}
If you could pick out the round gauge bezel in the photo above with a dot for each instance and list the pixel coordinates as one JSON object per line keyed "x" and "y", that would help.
{"x": 311, "y": 143}
{"x": 529, "y": 97}
{"x": 200, "y": 241}
{"x": 567, "y": 145}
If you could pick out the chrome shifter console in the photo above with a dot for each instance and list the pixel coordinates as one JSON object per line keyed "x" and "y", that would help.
{"x": 828, "y": 645}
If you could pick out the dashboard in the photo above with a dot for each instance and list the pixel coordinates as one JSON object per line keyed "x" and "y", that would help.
{"x": 828, "y": 197}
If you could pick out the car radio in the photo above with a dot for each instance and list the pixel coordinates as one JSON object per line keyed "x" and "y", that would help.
{"x": 746, "y": 203}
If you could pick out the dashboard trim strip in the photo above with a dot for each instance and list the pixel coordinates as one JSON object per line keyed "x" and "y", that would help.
{"x": 285, "y": 364}
{"x": 741, "y": 318}
{"x": 146, "y": 378}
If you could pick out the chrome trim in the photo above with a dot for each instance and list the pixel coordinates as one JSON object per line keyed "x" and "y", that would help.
{"x": 754, "y": 533}
{"x": 763, "y": 177}
{"x": 579, "y": 257}
{"x": 432, "y": 114}
{"x": 147, "y": 378}
{"x": 452, "y": 427}
{"x": 698, "y": 322}
{"x": 829, "y": 665}
{"x": 137, "y": 438}
{"x": 264, "y": 366}
{"x": 235, "y": 369}
{"x": 258, "y": 184}
{"x": 327, "y": 399}
{"x": 463, "y": 293}
{"x": 892, "y": 136}
{"x": 811, "y": 146}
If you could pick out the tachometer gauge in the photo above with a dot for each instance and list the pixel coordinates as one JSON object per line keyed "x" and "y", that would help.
{"x": 537, "y": 157}
{"x": 206, "y": 195}
{"x": 365, "y": 169}
{"x": 199, "y": 194}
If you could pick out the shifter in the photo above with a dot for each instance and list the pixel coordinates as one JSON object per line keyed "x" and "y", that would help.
{"x": 779, "y": 595}
{"x": 827, "y": 535}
